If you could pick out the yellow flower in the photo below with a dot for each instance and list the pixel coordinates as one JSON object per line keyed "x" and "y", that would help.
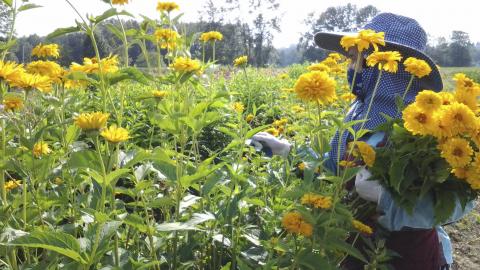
{"x": 115, "y": 134}
{"x": 417, "y": 67}
{"x": 428, "y": 100}
{"x": 185, "y": 64}
{"x": 316, "y": 86}
{"x": 460, "y": 173}
{"x": 273, "y": 131}
{"x": 159, "y": 94}
{"x": 90, "y": 65}
{"x": 348, "y": 41}
{"x": 238, "y": 107}
{"x": 335, "y": 56}
{"x": 346, "y": 164}
{"x": 58, "y": 181}
{"x": 91, "y": 121}
{"x": 447, "y": 98}
{"x": 301, "y": 166}
{"x": 298, "y": 109}
{"x": 166, "y": 38}
{"x": 318, "y": 67}
{"x": 363, "y": 40}
{"x": 330, "y": 62}
{"x": 317, "y": 201}
{"x": 280, "y": 123}
{"x": 240, "y": 61}
{"x": 387, "y": 61}
{"x": 211, "y": 36}
{"x": 167, "y": 6}
{"x": 467, "y": 99}
{"x": 119, "y": 2}
{"x": 46, "y": 68}
{"x": 458, "y": 118}
{"x": 361, "y": 227}
{"x": 283, "y": 76}
{"x": 457, "y": 152}
{"x": 348, "y": 97}
{"x": 12, "y": 102}
{"x": 364, "y": 151}
{"x": 417, "y": 121}
{"x": 41, "y": 148}
{"x": 293, "y": 222}
{"x": 8, "y": 70}
{"x": 466, "y": 84}
{"x": 369, "y": 37}
{"x": 28, "y": 81}
{"x": 44, "y": 51}
{"x": 249, "y": 118}
{"x": 12, "y": 184}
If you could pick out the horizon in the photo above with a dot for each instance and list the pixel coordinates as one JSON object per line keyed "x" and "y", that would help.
{"x": 35, "y": 21}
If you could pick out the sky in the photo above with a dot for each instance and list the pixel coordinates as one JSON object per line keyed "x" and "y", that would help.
{"x": 438, "y": 18}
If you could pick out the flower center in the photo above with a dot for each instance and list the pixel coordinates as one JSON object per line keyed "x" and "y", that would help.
{"x": 458, "y": 117}
{"x": 421, "y": 118}
{"x": 457, "y": 152}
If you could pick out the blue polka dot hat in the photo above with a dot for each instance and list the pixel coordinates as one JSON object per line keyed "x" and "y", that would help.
{"x": 402, "y": 34}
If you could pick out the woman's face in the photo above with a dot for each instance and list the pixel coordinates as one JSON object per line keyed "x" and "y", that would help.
{"x": 353, "y": 56}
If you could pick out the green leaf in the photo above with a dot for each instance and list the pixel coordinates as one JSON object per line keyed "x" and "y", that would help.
{"x": 254, "y": 131}
{"x": 27, "y": 7}
{"x": 62, "y": 31}
{"x": 109, "y": 13}
{"x": 313, "y": 260}
{"x": 115, "y": 31}
{"x": 85, "y": 159}
{"x": 444, "y": 204}
{"x": 59, "y": 242}
{"x": 338, "y": 244}
{"x": 7, "y": 45}
{"x": 187, "y": 180}
{"x": 129, "y": 73}
{"x": 8, "y": 2}
{"x": 72, "y": 134}
{"x": 397, "y": 172}
{"x": 189, "y": 225}
{"x": 136, "y": 222}
{"x": 113, "y": 176}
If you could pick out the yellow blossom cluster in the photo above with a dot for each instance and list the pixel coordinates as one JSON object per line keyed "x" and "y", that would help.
{"x": 44, "y": 51}
{"x": 12, "y": 184}
{"x": 167, "y": 6}
{"x": 211, "y": 36}
{"x": 159, "y": 94}
{"x": 363, "y": 40}
{"x": 387, "y": 60}
{"x": 119, "y": 2}
{"x": 364, "y": 151}
{"x": 361, "y": 227}
{"x": 166, "y": 38}
{"x": 40, "y": 149}
{"x": 240, "y": 61}
{"x": 91, "y": 65}
{"x": 451, "y": 118}
{"x": 317, "y": 201}
{"x": 115, "y": 134}
{"x": 46, "y": 68}
{"x": 316, "y": 86}
{"x": 238, "y": 107}
{"x": 91, "y": 121}
{"x": 12, "y": 102}
{"x": 293, "y": 222}
{"x": 185, "y": 64}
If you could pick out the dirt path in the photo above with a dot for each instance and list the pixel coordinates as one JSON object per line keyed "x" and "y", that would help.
{"x": 465, "y": 236}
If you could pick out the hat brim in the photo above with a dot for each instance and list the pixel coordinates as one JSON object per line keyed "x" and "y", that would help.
{"x": 433, "y": 81}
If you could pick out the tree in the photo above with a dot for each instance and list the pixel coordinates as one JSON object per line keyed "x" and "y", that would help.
{"x": 459, "y": 49}
{"x": 335, "y": 19}
{"x": 5, "y": 21}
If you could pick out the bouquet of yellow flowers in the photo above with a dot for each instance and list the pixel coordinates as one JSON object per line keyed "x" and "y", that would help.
{"x": 434, "y": 148}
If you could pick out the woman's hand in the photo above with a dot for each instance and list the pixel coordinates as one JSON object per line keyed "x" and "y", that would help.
{"x": 369, "y": 190}
{"x": 278, "y": 147}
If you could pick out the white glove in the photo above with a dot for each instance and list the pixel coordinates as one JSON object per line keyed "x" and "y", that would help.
{"x": 369, "y": 190}
{"x": 279, "y": 147}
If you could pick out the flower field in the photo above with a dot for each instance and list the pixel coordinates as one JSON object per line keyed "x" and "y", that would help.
{"x": 108, "y": 166}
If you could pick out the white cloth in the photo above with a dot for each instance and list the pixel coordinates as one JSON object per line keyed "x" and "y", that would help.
{"x": 278, "y": 147}
{"x": 369, "y": 190}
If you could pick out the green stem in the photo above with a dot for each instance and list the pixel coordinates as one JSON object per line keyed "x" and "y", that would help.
{"x": 213, "y": 52}
{"x": 2, "y": 171}
{"x": 371, "y": 100}
{"x": 405, "y": 94}
{"x": 104, "y": 176}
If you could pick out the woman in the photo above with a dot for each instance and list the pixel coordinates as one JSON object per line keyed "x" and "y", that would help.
{"x": 420, "y": 244}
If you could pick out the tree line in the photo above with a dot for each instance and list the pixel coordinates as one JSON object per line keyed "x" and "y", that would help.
{"x": 251, "y": 36}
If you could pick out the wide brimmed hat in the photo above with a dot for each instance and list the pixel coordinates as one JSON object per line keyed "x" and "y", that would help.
{"x": 402, "y": 34}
